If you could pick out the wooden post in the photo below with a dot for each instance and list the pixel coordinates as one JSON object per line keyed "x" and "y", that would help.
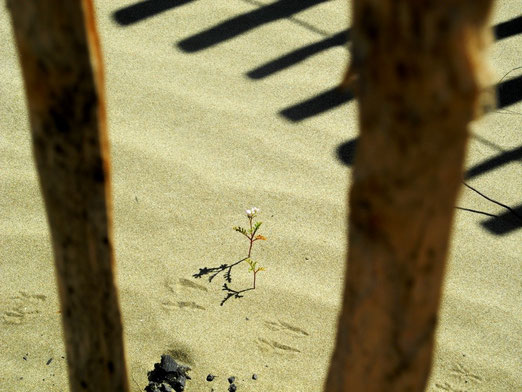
{"x": 62, "y": 68}
{"x": 418, "y": 66}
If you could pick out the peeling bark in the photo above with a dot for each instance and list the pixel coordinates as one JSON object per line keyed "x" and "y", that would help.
{"x": 61, "y": 64}
{"x": 419, "y": 76}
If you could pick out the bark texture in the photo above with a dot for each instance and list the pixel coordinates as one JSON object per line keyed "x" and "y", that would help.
{"x": 62, "y": 68}
{"x": 419, "y": 72}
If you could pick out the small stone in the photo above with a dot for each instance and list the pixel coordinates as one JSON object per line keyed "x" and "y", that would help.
{"x": 167, "y": 376}
{"x": 254, "y": 376}
{"x": 168, "y": 364}
{"x": 49, "y": 361}
{"x": 165, "y": 387}
{"x": 232, "y": 388}
{"x": 231, "y": 379}
{"x": 210, "y": 377}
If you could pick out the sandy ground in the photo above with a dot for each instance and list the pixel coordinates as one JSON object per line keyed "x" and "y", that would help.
{"x": 201, "y": 132}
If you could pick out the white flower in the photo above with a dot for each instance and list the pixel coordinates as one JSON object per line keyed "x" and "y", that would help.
{"x": 252, "y": 212}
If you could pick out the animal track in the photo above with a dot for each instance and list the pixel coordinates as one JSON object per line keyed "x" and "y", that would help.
{"x": 171, "y": 305}
{"x": 463, "y": 379}
{"x": 286, "y": 327}
{"x": 185, "y": 288}
{"x": 272, "y": 346}
{"x": 182, "y": 284}
{"x": 190, "y": 284}
{"x": 462, "y": 374}
{"x": 23, "y": 306}
{"x": 448, "y": 387}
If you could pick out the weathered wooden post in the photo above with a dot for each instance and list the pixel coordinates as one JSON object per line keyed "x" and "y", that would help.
{"x": 418, "y": 65}
{"x": 62, "y": 68}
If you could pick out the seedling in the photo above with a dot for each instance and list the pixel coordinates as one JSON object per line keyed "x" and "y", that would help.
{"x": 252, "y": 236}
{"x": 254, "y": 269}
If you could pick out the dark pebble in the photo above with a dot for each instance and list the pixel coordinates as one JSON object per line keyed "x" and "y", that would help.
{"x": 168, "y": 364}
{"x": 210, "y": 377}
{"x": 167, "y": 376}
{"x": 232, "y": 388}
{"x": 231, "y": 379}
{"x": 49, "y": 361}
{"x": 167, "y": 387}
{"x": 254, "y": 376}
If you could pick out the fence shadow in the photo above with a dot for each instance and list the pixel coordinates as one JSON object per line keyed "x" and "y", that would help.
{"x": 323, "y": 102}
{"x": 509, "y": 92}
{"x": 299, "y": 55}
{"x": 508, "y": 28}
{"x": 505, "y": 223}
{"x": 243, "y": 23}
{"x": 145, "y": 9}
{"x": 495, "y": 162}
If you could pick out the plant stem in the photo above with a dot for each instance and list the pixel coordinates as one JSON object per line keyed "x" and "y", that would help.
{"x": 250, "y": 238}
{"x": 255, "y": 279}
{"x": 250, "y": 249}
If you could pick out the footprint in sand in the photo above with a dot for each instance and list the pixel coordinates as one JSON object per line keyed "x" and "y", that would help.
{"x": 449, "y": 387}
{"x": 22, "y": 307}
{"x": 183, "y": 288}
{"x": 463, "y": 380}
{"x": 286, "y": 328}
{"x": 172, "y": 305}
{"x": 462, "y": 374}
{"x": 273, "y": 346}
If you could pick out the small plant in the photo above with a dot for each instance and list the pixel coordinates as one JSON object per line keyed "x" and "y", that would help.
{"x": 254, "y": 269}
{"x": 252, "y": 236}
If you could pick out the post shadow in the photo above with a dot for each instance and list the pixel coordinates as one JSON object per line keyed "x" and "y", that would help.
{"x": 508, "y": 28}
{"x": 345, "y": 152}
{"x": 298, "y": 55}
{"x": 495, "y": 162}
{"x": 145, "y": 9}
{"x": 243, "y": 23}
{"x": 323, "y": 102}
{"x": 505, "y": 223}
{"x": 509, "y": 92}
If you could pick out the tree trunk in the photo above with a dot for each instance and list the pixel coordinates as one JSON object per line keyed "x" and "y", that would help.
{"x": 419, "y": 71}
{"x": 62, "y": 68}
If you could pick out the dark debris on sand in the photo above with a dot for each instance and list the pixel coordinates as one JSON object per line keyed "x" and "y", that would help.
{"x": 167, "y": 376}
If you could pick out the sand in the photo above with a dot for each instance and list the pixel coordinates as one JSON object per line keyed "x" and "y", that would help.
{"x": 198, "y": 135}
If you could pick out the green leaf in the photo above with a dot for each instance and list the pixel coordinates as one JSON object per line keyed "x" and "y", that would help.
{"x": 256, "y": 226}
